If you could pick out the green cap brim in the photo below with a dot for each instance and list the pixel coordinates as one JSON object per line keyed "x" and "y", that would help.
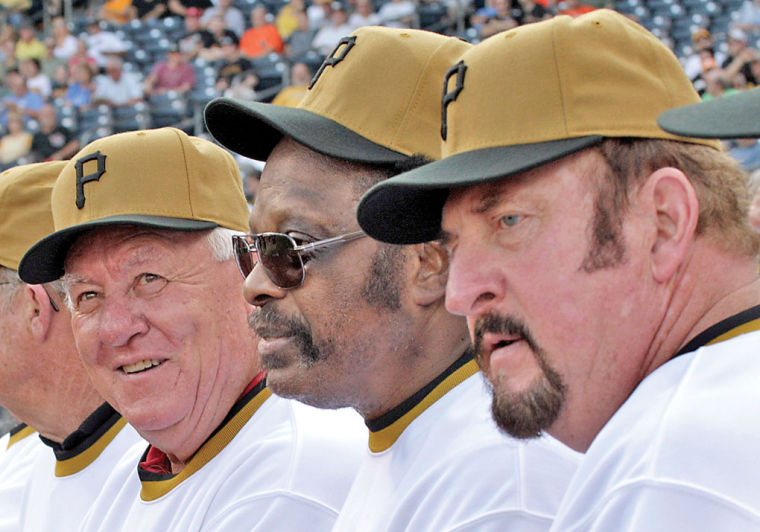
{"x": 44, "y": 261}
{"x": 252, "y": 129}
{"x": 406, "y": 209}
{"x": 732, "y": 116}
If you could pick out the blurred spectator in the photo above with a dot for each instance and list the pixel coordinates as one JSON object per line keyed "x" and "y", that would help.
{"x": 16, "y": 143}
{"x": 300, "y": 77}
{"x": 329, "y": 35}
{"x": 15, "y": 9}
{"x": 149, "y": 9}
{"x": 747, "y": 152}
{"x": 716, "y": 84}
{"x": 53, "y": 142}
{"x": 8, "y": 40}
{"x": 262, "y": 38}
{"x": 116, "y": 11}
{"x": 60, "y": 80}
{"x": 64, "y": 44}
{"x": 236, "y": 73}
{"x": 218, "y": 31}
{"x": 116, "y": 87}
{"x": 319, "y": 13}
{"x": 195, "y": 38}
{"x": 507, "y": 16}
{"x": 79, "y": 94}
{"x": 748, "y": 16}
{"x": 364, "y": 15}
{"x": 36, "y": 81}
{"x": 300, "y": 40}
{"x": 704, "y": 58}
{"x": 82, "y": 57}
{"x": 287, "y": 18}
{"x": 739, "y": 59}
{"x": 180, "y": 7}
{"x": 232, "y": 16}
{"x": 101, "y": 43}
{"x": 397, "y": 13}
{"x": 172, "y": 74}
{"x": 574, "y": 8}
{"x": 28, "y": 45}
{"x": 20, "y": 100}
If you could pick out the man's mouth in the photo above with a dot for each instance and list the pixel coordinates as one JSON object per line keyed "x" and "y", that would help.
{"x": 142, "y": 365}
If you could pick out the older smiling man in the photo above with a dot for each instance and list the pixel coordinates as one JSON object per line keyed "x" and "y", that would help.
{"x": 143, "y": 223}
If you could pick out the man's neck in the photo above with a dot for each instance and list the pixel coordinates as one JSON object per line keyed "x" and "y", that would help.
{"x": 714, "y": 287}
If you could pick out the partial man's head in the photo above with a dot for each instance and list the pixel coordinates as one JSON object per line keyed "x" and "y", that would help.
{"x": 569, "y": 214}
{"x": 39, "y": 365}
{"x": 143, "y": 241}
{"x": 335, "y": 315}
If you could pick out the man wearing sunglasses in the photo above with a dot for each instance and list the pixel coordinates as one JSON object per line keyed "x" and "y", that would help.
{"x": 143, "y": 226}
{"x": 42, "y": 380}
{"x": 347, "y": 321}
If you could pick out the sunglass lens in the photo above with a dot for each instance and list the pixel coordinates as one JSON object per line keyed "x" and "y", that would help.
{"x": 243, "y": 255}
{"x": 281, "y": 262}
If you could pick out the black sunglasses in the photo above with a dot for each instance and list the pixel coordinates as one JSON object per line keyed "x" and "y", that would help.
{"x": 280, "y": 255}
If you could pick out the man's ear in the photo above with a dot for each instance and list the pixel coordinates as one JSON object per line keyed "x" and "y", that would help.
{"x": 676, "y": 212}
{"x": 432, "y": 272}
{"x": 37, "y": 311}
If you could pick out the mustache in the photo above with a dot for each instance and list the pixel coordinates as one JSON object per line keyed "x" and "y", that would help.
{"x": 267, "y": 322}
{"x": 498, "y": 324}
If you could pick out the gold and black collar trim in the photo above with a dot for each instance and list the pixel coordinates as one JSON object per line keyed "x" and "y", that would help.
{"x": 18, "y": 433}
{"x": 84, "y": 445}
{"x": 741, "y": 323}
{"x": 156, "y": 485}
{"x": 385, "y": 430}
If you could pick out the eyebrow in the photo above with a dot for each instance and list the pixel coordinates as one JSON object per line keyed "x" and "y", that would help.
{"x": 492, "y": 196}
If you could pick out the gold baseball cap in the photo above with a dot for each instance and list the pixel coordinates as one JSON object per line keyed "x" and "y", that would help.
{"x": 159, "y": 178}
{"x": 375, "y": 99}
{"x": 529, "y": 96}
{"x": 25, "y": 207}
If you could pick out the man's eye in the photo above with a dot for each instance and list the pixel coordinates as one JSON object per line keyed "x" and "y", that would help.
{"x": 149, "y": 283}
{"x": 510, "y": 220}
{"x": 86, "y": 301}
{"x": 147, "y": 278}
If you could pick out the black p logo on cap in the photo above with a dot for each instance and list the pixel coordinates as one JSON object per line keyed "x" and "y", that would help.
{"x": 95, "y": 176}
{"x": 459, "y": 69}
{"x": 332, "y": 59}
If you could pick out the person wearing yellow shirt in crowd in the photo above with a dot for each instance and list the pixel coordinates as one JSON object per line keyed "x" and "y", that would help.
{"x": 300, "y": 76}
{"x": 29, "y": 46}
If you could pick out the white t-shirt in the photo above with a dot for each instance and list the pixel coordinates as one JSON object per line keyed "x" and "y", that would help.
{"x": 23, "y": 449}
{"x": 65, "y": 482}
{"x": 452, "y": 469}
{"x": 682, "y": 451}
{"x": 275, "y": 465}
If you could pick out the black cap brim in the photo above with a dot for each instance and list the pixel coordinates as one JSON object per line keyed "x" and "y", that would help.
{"x": 252, "y": 129}
{"x": 406, "y": 209}
{"x": 43, "y": 262}
{"x": 732, "y": 116}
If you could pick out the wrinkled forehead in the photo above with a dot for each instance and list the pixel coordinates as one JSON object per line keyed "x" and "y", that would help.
{"x": 298, "y": 183}
{"x": 128, "y": 243}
